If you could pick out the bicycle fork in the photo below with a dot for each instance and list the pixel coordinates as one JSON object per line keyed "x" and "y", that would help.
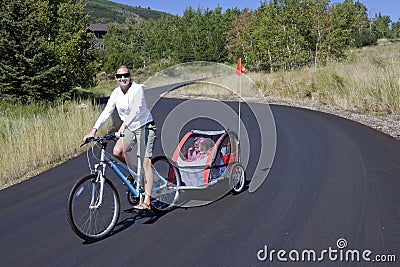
{"x": 97, "y": 193}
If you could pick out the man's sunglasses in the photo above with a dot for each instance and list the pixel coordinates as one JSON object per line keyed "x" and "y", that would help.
{"x": 122, "y": 75}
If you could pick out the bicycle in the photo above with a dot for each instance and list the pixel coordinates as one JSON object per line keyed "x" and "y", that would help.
{"x": 93, "y": 206}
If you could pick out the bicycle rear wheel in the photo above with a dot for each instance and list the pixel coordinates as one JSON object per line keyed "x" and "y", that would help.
{"x": 90, "y": 219}
{"x": 165, "y": 200}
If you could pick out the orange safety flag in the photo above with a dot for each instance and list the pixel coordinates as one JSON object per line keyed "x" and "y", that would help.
{"x": 240, "y": 69}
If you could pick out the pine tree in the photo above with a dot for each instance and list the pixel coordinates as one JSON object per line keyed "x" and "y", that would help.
{"x": 45, "y": 49}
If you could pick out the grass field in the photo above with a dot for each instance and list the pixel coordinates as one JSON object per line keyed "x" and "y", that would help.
{"x": 367, "y": 83}
{"x": 36, "y": 137}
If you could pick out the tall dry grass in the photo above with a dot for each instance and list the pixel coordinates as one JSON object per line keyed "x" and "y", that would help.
{"x": 35, "y": 137}
{"x": 214, "y": 80}
{"x": 368, "y": 82}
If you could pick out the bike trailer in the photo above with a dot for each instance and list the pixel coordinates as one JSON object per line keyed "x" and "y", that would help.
{"x": 217, "y": 151}
{"x": 223, "y": 150}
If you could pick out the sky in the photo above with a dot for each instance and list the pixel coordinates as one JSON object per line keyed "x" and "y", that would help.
{"x": 177, "y": 7}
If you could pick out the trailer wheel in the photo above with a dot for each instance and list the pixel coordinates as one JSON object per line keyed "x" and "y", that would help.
{"x": 237, "y": 177}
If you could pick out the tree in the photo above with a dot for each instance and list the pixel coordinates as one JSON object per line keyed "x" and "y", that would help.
{"x": 161, "y": 41}
{"x": 381, "y": 26}
{"x": 396, "y": 29}
{"x": 237, "y": 34}
{"x": 202, "y": 36}
{"x": 362, "y": 33}
{"x": 343, "y": 18}
{"x": 45, "y": 49}
{"x": 119, "y": 49}
{"x": 74, "y": 48}
{"x": 288, "y": 34}
{"x": 263, "y": 33}
{"x": 24, "y": 56}
{"x": 281, "y": 34}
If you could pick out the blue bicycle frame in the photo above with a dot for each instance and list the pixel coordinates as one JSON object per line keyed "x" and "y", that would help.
{"x": 115, "y": 164}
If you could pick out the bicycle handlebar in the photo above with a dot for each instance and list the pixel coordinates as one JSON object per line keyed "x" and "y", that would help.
{"x": 107, "y": 137}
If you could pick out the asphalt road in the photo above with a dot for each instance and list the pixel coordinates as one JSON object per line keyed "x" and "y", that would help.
{"x": 333, "y": 188}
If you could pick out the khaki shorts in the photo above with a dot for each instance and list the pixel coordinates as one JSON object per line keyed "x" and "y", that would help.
{"x": 144, "y": 137}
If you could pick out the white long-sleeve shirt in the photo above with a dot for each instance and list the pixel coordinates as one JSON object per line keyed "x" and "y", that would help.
{"x": 131, "y": 107}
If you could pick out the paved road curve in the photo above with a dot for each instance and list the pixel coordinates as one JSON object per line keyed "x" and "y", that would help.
{"x": 331, "y": 179}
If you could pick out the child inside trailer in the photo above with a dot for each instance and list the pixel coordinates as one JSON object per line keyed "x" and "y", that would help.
{"x": 201, "y": 148}
{"x": 198, "y": 159}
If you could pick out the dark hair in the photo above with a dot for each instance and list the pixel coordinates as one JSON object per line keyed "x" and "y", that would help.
{"x": 123, "y": 66}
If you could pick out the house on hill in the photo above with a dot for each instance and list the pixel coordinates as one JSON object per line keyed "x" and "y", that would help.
{"x": 99, "y": 30}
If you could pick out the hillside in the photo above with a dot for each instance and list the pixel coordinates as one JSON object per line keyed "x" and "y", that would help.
{"x": 104, "y": 11}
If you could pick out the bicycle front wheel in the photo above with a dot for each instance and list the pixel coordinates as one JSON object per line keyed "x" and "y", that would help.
{"x": 91, "y": 213}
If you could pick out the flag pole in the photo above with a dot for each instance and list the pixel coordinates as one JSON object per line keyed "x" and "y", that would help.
{"x": 239, "y": 70}
{"x": 240, "y": 101}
